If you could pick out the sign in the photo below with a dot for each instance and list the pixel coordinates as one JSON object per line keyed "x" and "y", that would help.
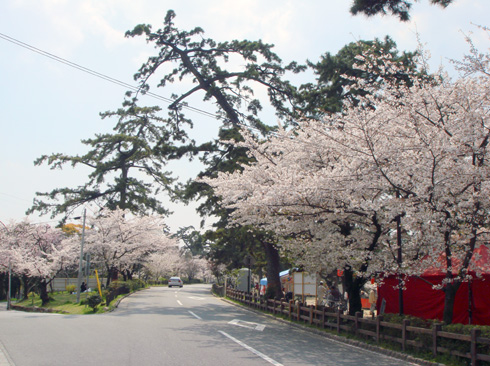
{"x": 249, "y": 260}
{"x": 383, "y": 307}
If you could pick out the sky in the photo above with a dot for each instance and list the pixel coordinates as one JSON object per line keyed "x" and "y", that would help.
{"x": 49, "y": 107}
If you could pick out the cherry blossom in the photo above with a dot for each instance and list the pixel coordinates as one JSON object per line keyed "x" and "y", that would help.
{"x": 118, "y": 240}
{"x": 333, "y": 190}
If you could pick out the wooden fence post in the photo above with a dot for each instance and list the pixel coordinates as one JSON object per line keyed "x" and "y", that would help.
{"x": 323, "y": 317}
{"x": 299, "y": 312}
{"x": 405, "y": 323}
{"x": 339, "y": 320}
{"x": 290, "y": 308}
{"x": 311, "y": 314}
{"x": 436, "y": 328}
{"x": 379, "y": 319}
{"x": 356, "y": 321}
{"x": 475, "y": 333}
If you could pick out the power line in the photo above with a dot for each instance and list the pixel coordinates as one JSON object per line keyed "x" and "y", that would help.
{"x": 118, "y": 82}
{"x": 103, "y": 76}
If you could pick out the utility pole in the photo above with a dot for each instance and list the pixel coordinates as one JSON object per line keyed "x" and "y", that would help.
{"x": 9, "y": 297}
{"x": 80, "y": 266}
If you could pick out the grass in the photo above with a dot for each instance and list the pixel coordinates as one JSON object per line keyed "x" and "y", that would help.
{"x": 62, "y": 302}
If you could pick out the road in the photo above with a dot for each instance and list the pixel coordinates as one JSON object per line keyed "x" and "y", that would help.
{"x": 170, "y": 326}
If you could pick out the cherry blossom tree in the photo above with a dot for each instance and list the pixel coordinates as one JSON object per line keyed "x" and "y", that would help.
{"x": 194, "y": 267}
{"x": 164, "y": 264}
{"x": 123, "y": 243}
{"x": 37, "y": 253}
{"x": 400, "y": 177}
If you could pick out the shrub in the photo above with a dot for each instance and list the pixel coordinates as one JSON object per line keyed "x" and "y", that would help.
{"x": 466, "y": 329}
{"x": 120, "y": 286}
{"x": 194, "y": 280}
{"x": 94, "y": 301}
{"x": 70, "y": 288}
{"x": 136, "y": 284}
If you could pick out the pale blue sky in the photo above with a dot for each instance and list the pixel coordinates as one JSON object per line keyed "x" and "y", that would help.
{"x": 48, "y": 107}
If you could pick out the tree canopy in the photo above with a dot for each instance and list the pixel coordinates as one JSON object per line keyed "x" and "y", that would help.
{"x": 141, "y": 145}
{"x": 337, "y": 74}
{"x": 337, "y": 189}
{"x": 187, "y": 54}
{"x": 399, "y": 8}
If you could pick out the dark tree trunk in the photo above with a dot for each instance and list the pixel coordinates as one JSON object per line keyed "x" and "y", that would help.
{"x": 273, "y": 269}
{"x": 449, "y": 298}
{"x": 129, "y": 274}
{"x": 111, "y": 275}
{"x": 3, "y": 285}
{"x": 43, "y": 292}
{"x": 27, "y": 287}
{"x": 353, "y": 286}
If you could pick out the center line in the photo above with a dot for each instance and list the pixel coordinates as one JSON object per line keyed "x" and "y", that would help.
{"x": 178, "y": 301}
{"x": 194, "y": 315}
{"x": 254, "y": 351}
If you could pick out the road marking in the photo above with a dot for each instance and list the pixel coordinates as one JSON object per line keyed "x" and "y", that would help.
{"x": 5, "y": 360}
{"x": 179, "y": 303}
{"x": 194, "y": 315}
{"x": 254, "y": 351}
{"x": 249, "y": 325}
{"x": 196, "y": 298}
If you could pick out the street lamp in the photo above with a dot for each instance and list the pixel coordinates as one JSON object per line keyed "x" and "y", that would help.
{"x": 80, "y": 269}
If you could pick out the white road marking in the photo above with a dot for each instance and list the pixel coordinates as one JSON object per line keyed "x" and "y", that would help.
{"x": 249, "y": 325}
{"x": 194, "y": 315}
{"x": 4, "y": 357}
{"x": 179, "y": 303}
{"x": 196, "y": 298}
{"x": 254, "y": 351}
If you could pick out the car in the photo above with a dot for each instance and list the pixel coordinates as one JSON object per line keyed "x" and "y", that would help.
{"x": 175, "y": 281}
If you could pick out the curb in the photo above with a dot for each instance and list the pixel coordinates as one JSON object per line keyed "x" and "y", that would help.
{"x": 36, "y": 309}
{"x": 352, "y": 342}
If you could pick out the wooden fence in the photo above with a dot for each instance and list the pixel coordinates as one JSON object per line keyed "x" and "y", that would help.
{"x": 471, "y": 347}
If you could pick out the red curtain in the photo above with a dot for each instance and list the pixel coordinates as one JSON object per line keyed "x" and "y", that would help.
{"x": 421, "y": 300}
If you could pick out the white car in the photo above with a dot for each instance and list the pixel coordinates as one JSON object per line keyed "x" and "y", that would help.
{"x": 175, "y": 281}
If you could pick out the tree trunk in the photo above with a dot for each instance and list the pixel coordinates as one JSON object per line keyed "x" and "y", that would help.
{"x": 27, "y": 287}
{"x": 449, "y": 298}
{"x": 273, "y": 279}
{"x": 129, "y": 274}
{"x": 353, "y": 287}
{"x": 43, "y": 292}
{"x": 3, "y": 285}
{"x": 111, "y": 275}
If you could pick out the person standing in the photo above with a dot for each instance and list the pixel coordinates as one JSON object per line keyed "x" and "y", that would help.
{"x": 320, "y": 293}
{"x": 373, "y": 297}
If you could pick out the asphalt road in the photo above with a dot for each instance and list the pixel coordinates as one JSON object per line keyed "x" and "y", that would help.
{"x": 170, "y": 326}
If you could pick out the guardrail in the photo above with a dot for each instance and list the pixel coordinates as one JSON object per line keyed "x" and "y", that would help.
{"x": 475, "y": 348}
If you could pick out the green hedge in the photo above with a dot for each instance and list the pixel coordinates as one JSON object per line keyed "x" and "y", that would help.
{"x": 452, "y": 344}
